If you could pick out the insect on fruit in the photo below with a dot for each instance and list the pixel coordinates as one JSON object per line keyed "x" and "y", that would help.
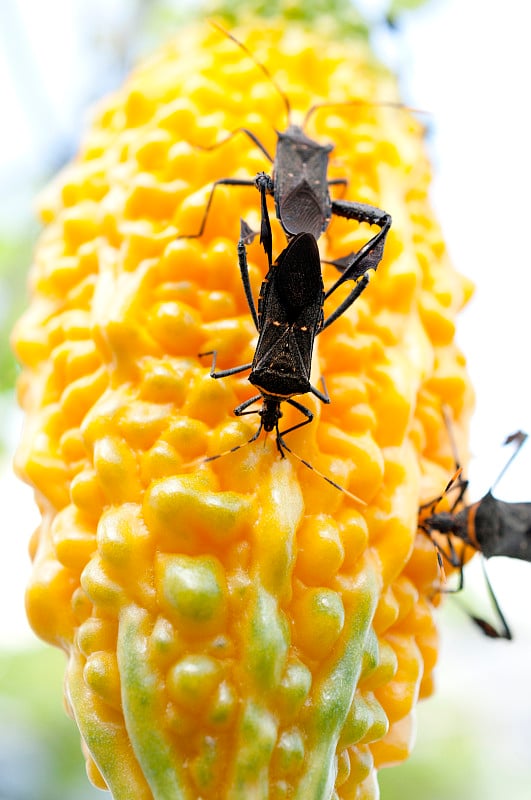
{"x": 491, "y": 526}
{"x": 288, "y": 318}
{"x": 241, "y": 629}
{"x": 300, "y": 186}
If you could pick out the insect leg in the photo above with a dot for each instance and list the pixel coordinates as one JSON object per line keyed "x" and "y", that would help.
{"x": 264, "y": 184}
{"x": 432, "y": 504}
{"x": 223, "y": 373}
{"x": 220, "y": 182}
{"x": 323, "y": 396}
{"x": 307, "y": 413}
{"x": 241, "y": 409}
{"x": 255, "y": 140}
{"x": 343, "y": 182}
{"x": 485, "y": 627}
{"x": 282, "y": 444}
{"x": 459, "y": 561}
{"x": 244, "y": 271}
{"x": 355, "y": 293}
{"x": 371, "y": 253}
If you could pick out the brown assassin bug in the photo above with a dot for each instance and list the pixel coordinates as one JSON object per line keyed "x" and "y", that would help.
{"x": 300, "y": 187}
{"x": 288, "y": 318}
{"x": 490, "y": 526}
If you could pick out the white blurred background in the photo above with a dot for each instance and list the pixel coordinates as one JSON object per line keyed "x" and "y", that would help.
{"x": 468, "y": 63}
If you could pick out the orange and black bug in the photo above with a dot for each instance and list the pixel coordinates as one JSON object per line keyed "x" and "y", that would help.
{"x": 300, "y": 187}
{"x": 490, "y": 526}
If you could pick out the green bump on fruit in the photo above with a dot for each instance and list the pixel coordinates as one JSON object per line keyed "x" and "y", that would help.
{"x": 366, "y": 721}
{"x": 294, "y": 688}
{"x": 256, "y": 740}
{"x": 192, "y": 680}
{"x": 100, "y": 587}
{"x": 321, "y": 618}
{"x": 193, "y": 590}
{"x": 268, "y": 642}
{"x": 176, "y": 510}
{"x": 290, "y": 752}
{"x": 223, "y": 704}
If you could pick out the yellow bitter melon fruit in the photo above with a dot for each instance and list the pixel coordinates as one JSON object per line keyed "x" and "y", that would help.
{"x": 238, "y": 628}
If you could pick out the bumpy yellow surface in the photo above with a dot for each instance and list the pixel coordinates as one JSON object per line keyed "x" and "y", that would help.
{"x": 238, "y": 628}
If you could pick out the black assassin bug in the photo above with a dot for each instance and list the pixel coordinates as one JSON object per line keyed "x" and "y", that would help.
{"x": 490, "y": 526}
{"x": 288, "y": 318}
{"x": 300, "y": 187}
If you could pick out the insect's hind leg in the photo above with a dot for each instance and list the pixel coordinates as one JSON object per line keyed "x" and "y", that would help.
{"x": 370, "y": 255}
{"x": 347, "y": 302}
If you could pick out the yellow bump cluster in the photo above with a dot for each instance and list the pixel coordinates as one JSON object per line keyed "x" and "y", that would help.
{"x": 237, "y": 628}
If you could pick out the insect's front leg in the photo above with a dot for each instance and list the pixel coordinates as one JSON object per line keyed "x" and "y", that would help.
{"x": 220, "y": 182}
{"x": 323, "y": 396}
{"x": 265, "y": 185}
{"x": 307, "y": 413}
{"x": 246, "y": 235}
{"x": 222, "y": 373}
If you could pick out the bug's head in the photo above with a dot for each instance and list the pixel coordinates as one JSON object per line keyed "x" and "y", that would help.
{"x": 441, "y": 523}
{"x": 270, "y": 414}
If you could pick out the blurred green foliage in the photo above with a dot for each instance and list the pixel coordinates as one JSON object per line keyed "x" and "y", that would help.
{"x": 40, "y": 755}
{"x": 16, "y": 244}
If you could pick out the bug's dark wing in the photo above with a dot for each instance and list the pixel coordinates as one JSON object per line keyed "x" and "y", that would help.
{"x": 300, "y": 211}
{"x": 503, "y": 529}
{"x": 291, "y": 314}
{"x": 302, "y": 198}
{"x": 297, "y": 279}
{"x": 292, "y": 291}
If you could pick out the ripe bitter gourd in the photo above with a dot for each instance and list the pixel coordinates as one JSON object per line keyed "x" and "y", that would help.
{"x": 237, "y": 628}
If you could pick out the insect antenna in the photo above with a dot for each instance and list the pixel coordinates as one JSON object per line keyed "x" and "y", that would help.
{"x": 281, "y": 444}
{"x": 519, "y": 437}
{"x": 352, "y": 496}
{"x": 261, "y": 67}
{"x": 253, "y": 438}
{"x": 396, "y": 104}
{"x": 206, "y": 459}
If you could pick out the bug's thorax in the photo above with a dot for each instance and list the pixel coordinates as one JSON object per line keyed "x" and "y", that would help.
{"x": 300, "y": 174}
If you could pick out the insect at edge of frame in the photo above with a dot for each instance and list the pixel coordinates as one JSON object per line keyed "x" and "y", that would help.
{"x": 490, "y": 526}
